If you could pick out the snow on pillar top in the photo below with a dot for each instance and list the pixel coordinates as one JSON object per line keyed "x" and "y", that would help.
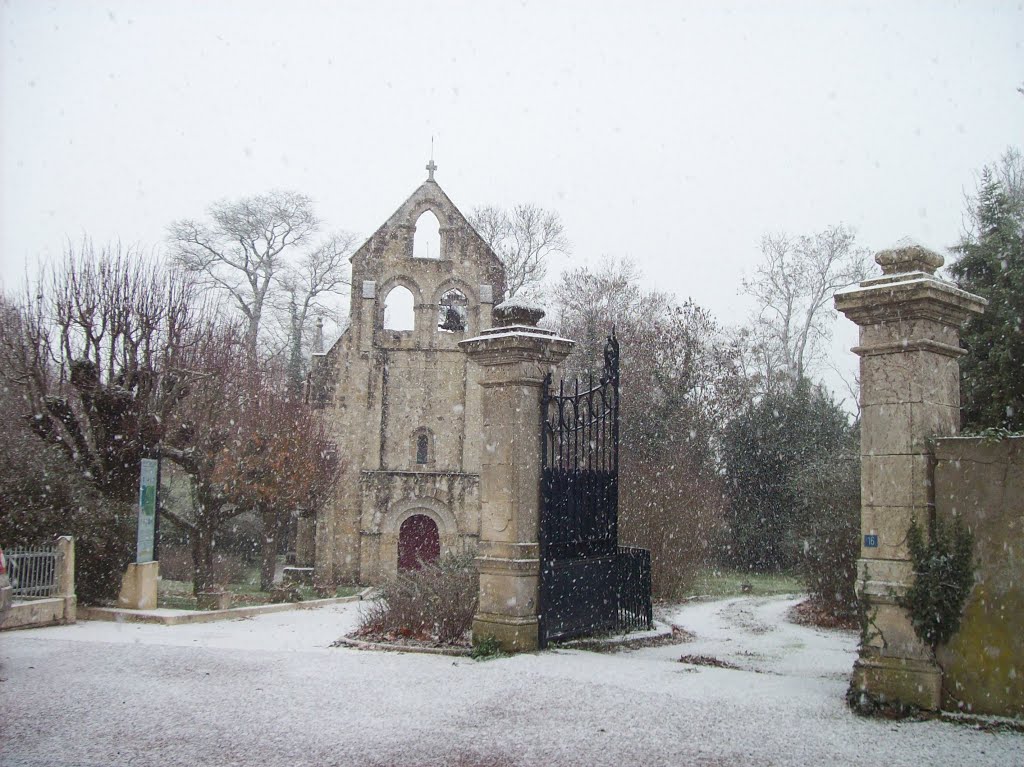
{"x": 518, "y": 311}
{"x": 908, "y": 290}
{"x": 908, "y": 255}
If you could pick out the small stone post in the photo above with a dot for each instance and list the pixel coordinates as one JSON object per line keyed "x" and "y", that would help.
{"x": 515, "y": 358}
{"x": 66, "y": 576}
{"x": 909, "y": 392}
{"x": 138, "y": 586}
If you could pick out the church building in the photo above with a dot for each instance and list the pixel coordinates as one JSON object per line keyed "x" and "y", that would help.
{"x": 401, "y": 399}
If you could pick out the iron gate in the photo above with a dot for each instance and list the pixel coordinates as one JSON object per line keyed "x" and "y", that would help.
{"x": 588, "y": 582}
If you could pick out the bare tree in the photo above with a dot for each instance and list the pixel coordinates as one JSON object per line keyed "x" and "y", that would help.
{"x": 590, "y": 301}
{"x": 255, "y": 247}
{"x": 523, "y": 238}
{"x": 101, "y": 354}
{"x": 794, "y": 288}
{"x": 203, "y": 427}
{"x": 278, "y": 462}
{"x": 680, "y": 382}
{"x": 319, "y": 273}
{"x": 99, "y": 350}
{"x": 247, "y": 445}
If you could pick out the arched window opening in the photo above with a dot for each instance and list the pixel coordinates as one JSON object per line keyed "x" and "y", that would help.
{"x": 426, "y": 242}
{"x": 399, "y": 309}
{"x": 453, "y": 312}
{"x": 421, "y": 447}
{"x": 419, "y": 543}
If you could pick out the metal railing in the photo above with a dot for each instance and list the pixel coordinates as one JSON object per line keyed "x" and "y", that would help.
{"x": 33, "y": 572}
{"x": 635, "y": 611}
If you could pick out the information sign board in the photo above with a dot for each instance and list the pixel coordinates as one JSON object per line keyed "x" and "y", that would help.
{"x": 147, "y": 511}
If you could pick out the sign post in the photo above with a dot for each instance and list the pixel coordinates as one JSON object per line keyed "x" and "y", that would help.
{"x": 138, "y": 586}
{"x": 148, "y": 475}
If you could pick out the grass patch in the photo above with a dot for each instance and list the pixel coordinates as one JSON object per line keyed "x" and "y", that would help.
{"x": 175, "y": 601}
{"x": 308, "y": 592}
{"x": 721, "y": 583}
{"x": 177, "y": 595}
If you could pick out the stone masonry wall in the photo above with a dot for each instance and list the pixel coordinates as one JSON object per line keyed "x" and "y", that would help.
{"x": 382, "y": 390}
{"x": 982, "y": 482}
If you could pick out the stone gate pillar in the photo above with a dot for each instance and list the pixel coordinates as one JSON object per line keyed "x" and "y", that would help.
{"x": 909, "y": 392}
{"x": 514, "y": 358}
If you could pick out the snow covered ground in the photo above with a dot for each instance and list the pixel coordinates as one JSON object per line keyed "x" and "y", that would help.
{"x": 270, "y": 691}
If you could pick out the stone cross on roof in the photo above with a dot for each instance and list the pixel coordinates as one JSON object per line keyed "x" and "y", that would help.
{"x": 431, "y": 167}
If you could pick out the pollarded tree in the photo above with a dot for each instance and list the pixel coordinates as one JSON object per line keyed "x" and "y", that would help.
{"x": 99, "y": 353}
{"x": 793, "y": 287}
{"x": 523, "y": 238}
{"x": 991, "y": 264}
{"x": 43, "y": 495}
{"x": 260, "y": 251}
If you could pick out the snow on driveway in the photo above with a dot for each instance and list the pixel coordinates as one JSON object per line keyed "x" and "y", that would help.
{"x": 754, "y": 634}
{"x": 269, "y": 691}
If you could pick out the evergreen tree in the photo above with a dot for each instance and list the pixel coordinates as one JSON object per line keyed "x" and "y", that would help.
{"x": 991, "y": 264}
{"x": 764, "y": 449}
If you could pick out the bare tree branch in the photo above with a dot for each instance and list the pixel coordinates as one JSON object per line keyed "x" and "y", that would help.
{"x": 98, "y": 348}
{"x": 260, "y": 251}
{"x": 793, "y": 288}
{"x": 523, "y": 238}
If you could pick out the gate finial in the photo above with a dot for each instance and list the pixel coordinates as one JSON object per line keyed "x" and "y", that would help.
{"x": 611, "y": 359}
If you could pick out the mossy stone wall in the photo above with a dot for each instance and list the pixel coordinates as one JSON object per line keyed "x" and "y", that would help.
{"x": 982, "y": 482}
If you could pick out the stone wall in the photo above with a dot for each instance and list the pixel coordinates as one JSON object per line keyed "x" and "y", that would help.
{"x": 387, "y": 498}
{"x": 59, "y": 609}
{"x": 982, "y": 482}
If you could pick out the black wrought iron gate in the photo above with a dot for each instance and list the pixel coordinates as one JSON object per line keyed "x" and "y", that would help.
{"x": 588, "y": 582}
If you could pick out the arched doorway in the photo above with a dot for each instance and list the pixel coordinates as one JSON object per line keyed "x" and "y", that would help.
{"x": 419, "y": 542}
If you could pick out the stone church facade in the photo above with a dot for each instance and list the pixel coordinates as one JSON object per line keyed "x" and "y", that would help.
{"x": 402, "y": 403}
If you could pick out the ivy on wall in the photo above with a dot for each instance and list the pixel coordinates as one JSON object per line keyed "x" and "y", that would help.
{"x": 944, "y": 569}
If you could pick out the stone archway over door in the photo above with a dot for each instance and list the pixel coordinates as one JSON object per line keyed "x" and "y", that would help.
{"x": 419, "y": 542}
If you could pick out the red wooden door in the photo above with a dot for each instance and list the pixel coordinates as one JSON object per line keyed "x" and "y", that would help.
{"x": 418, "y": 543}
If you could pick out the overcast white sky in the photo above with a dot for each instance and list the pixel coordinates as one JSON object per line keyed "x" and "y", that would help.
{"x": 675, "y": 133}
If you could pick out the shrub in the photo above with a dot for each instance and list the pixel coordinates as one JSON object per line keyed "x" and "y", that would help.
{"x": 767, "y": 447}
{"x": 176, "y": 562}
{"x": 675, "y": 511}
{"x": 827, "y": 531}
{"x": 435, "y": 603}
{"x": 42, "y": 497}
{"x": 486, "y": 648}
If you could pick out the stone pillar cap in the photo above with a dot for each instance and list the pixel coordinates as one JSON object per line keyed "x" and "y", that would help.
{"x": 519, "y": 311}
{"x": 908, "y": 255}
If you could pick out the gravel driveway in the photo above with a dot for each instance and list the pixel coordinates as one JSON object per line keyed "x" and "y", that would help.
{"x": 269, "y": 691}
